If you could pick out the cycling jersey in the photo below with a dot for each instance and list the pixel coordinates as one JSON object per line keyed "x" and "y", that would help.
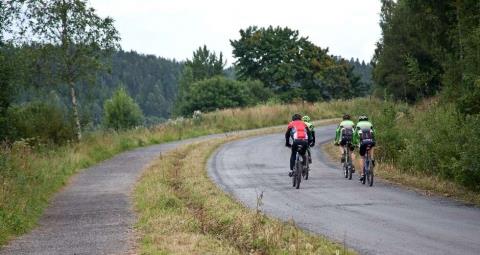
{"x": 361, "y": 131}
{"x": 346, "y": 124}
{"x": 298, "y": 130}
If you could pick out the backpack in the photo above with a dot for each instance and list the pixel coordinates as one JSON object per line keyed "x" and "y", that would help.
{"x": 347, "y": 134}
{"x": 366, "y": 135}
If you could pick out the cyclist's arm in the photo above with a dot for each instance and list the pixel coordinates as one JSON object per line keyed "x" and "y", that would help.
{"x": 356, "y": 138}
{"x": 337, "y": 135}
{"x": 310, "y": 135}
{"x": 287, "y": 136}
{"x": 313, "y": 137}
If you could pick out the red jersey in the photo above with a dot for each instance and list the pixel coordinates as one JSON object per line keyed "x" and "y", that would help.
{"x": 298, "y": 130}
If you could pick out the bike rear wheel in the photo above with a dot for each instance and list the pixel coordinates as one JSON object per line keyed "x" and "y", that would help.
{"x": 297, "y": 175}
{"x": 370, "y": 177}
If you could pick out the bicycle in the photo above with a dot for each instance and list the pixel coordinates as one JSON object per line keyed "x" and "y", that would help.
{"x": 368, "y": 168}
{"x": 300, "y": 167}
{"x": 347, "y": 163}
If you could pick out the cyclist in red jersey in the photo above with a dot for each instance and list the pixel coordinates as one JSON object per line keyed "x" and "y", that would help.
{"x": 300, "y": 134}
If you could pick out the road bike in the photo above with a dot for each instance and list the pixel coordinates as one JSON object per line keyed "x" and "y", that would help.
{"x": 347, "y": 162}
{"x": 368, "y": 168}
{"x": 300, "y": 169}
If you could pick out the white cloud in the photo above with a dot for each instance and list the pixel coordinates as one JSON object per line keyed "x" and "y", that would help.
{"x": 175, "y": 28}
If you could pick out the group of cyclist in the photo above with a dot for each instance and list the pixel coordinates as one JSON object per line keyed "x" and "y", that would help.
{"x": 361, "y": 135}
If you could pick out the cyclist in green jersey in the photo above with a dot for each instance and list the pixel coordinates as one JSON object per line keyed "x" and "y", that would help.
{"x": 344, "y": 136}
{"x": 364, "y": 137}
{"x": 310, "y": 126}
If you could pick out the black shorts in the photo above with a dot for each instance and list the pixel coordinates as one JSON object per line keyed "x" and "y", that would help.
{"x": 345, "y": 142}
{"x": 364, "y": 145}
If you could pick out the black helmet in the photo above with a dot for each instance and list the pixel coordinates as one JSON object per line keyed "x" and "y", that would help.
{"x": 296, "y": 116}
{"x": 346, "y": 116}
{"x": 363, "y": 118}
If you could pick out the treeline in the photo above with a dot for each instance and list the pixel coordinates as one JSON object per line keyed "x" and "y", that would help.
{"x": 273, "y": 64}
{"x": 430, "y": 53}
{"x": 430, "y": 48}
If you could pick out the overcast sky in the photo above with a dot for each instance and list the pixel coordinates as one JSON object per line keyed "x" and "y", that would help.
{"x": 175, "y": 28}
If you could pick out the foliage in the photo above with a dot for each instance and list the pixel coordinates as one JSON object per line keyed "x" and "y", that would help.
{"x": 121, "y": 112}
{"x": 436, "y": 50}
{"x": 220, "y": 92}
{"x": 205, "y": 64}
{"x": 292, "y": 66}
{"x": 73, "y": 39}
{"x": 40, "y": 121}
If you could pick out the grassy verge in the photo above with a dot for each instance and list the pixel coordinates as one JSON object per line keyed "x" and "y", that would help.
{"x": 31, "y": 174}
{"x": 182, "y": 212}
{"x": 422, "y": 183}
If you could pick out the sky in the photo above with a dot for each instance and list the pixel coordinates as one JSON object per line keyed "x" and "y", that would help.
{"x": 175, "y": 28}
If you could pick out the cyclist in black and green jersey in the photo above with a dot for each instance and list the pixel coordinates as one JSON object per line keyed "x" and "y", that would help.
{"x": 364, "y": 137}
{"x": 310, "y": 126}
{"x": 344, "y": 135}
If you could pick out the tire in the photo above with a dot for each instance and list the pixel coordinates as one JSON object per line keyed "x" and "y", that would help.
{"x": 345, "y": 170}
{"x": 350, "y": 172}
{"x": 298, "y": 174}
{"x": 370, "y": 178}
{"x": 307, "y": 171}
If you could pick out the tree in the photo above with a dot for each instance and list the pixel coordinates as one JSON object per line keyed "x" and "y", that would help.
{"x": 290, "y": 65}
{"x": 217, "y": 93}
{"x": 205, "y": 64}
{"x": 121, "y": 112}
{"x": 74, "y": 40}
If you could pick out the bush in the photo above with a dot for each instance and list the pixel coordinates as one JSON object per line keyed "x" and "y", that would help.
{"x": 121, "y": 112}
{"x": 44, "y": 122}
{"x": 220, "y": 93}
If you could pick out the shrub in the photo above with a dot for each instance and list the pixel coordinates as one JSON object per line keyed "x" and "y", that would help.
{"x": 44, "y": 122}
{"x": 121, "y": 112}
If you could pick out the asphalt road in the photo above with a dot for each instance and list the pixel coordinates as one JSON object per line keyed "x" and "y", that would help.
{"x": 382, "y": 219}
{"x": 94, "y": 213}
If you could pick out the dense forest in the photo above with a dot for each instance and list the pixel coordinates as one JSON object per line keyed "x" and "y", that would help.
{"x": 430, "y": 48}
{"x": 151, "y": 81}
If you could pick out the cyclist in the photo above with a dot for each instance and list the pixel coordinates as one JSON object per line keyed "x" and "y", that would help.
{"x": 310, "y": 126}
{"x": 344, "y": 136}
{"x": 299, "y": 132}
{"x": 364, "y": 136}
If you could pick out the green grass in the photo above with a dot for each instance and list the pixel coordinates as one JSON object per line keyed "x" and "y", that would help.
{"x": 182, "y": 212}
{"x": 30, "y": 175}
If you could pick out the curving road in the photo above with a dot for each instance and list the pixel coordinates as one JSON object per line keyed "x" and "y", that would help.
{"x": 382, "y": 219}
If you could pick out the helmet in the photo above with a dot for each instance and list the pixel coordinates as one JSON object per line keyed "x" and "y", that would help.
{"x": 306, "y": 118}
{"x": 363, "y": 118}
{"x": 346, "y": 116}
{"x": 296, "y": 116}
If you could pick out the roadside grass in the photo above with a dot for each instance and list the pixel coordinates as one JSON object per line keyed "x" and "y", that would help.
{"x": 422, "y": 183}
{"x": 30, "y": 173}
{"x": 181, "y": 211}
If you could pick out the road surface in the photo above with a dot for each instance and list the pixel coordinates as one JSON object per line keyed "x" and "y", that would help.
{"x": 382, "y": 219}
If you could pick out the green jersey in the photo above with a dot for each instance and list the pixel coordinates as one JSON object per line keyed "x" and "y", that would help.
{"x": 362, "y": 125}
{"x": 344, "y": 124}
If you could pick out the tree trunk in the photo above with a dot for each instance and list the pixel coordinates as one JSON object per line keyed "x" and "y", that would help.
{"x": 75, "y": 111}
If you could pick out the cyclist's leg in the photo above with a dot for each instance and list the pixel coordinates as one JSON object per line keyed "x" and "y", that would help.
{"x": 293, "y": 155}
{"x": 362, "y": 152}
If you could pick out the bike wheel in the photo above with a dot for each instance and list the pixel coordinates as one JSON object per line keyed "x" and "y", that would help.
{"x": 307, "y": 170}
{"x": 350, "y": 172}
{"x": 298, "y": 174}
{"x": 370, "y": 178}
{"x": 345, "y": 170}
